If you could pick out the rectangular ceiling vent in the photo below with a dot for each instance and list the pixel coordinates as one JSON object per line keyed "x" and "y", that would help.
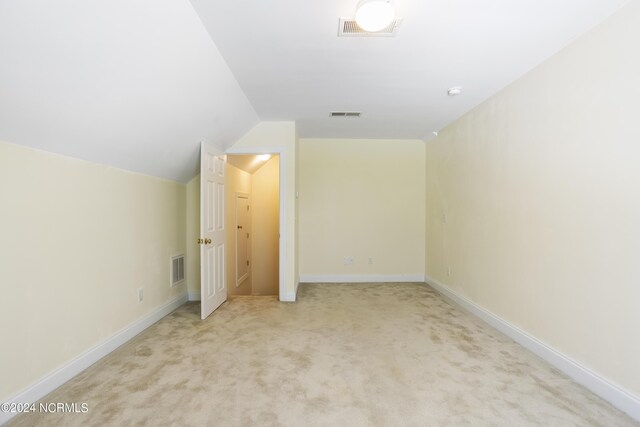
{"x": 349, "y": 28}
{"x": 345, "y": 114}
{"x": 177, "y": 269}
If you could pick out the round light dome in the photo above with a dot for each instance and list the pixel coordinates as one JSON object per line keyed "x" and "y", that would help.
{"x": 374, "y": 15}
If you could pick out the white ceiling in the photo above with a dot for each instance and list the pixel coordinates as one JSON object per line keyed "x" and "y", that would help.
{"x": 133, "y": 84}
{"x": 137, "y": 84}
{"x": 288, "y": 59}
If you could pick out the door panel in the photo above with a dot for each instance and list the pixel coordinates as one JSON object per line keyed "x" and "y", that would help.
{"x": 213, "y": 291}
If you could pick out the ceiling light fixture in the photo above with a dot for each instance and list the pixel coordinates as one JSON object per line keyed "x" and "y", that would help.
{"x": 374, "y": 15}
{"x": 456, "y": 90}
{"x": 264, "y": 157}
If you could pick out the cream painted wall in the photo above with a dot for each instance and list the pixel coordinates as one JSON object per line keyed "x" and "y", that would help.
{"x": 77, "y": 240}
{"x": 540, "y": 186}
{"x": 279, "y": 137}
{"x": 265, "y": 219}
{"x": 238, "y": 181}
{"x": 361, "y": 199}
{"x": 192, "y": 259}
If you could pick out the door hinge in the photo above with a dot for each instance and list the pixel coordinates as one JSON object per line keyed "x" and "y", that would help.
{"x": 247, "y": 262}
{"x": 247, "y": 235}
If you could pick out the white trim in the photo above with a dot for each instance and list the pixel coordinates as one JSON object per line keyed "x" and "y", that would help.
{"x": 193, "y": 296}
{"x": 288, "y": 297}
{"x": 614, "y": 394}
{"x": 361, "y": 278}
{"x": 58, "y": 377}
{"x": 282, "y": 291}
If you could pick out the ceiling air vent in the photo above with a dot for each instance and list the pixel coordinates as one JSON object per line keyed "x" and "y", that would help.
{"x": 349, "y": 28}
{"x": 345, "y": 114}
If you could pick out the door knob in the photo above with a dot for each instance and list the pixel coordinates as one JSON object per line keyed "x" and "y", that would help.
{"x": 239, "y": 227}
{"x": 204, "y": 241}
{"x": 207, "y": 241}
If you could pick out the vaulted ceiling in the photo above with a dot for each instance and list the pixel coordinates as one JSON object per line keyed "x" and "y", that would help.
{"x": 137, "y": 84}
{"x": 291, "y": 64}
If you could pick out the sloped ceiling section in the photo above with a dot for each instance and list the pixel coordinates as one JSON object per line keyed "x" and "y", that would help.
{"x": 288, "y": 58}
{"x": 131, "y": 84}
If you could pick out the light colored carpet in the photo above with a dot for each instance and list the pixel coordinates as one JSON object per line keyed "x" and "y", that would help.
{"x": 356, "y": 354}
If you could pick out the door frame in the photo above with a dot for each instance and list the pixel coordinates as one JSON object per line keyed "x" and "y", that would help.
{"x": 282, "y": 292}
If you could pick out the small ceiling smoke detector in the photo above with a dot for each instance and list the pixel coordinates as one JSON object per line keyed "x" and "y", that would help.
{"x": 345, "y": 114}
{"x": 453, "y": 91}
{"x": 435, "y": 133}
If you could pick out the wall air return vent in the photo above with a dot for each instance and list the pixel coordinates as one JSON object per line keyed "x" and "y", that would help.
{"x": 177, "y": 269}
{"x": 345, "y": 114}
{"x": 349, "y": 28}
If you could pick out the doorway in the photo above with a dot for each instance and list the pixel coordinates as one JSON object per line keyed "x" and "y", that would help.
{"x": 253, "y": 218}
{"x": 243, "y": 226}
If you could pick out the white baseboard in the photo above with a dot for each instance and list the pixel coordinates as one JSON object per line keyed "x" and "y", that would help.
{"x": 193, "y": 296}
{"x": 361, "y": 278}
{"x": 614, "y": 394}
{"x": 69, "y": 370}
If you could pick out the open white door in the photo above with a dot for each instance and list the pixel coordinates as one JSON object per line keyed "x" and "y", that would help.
{"x": 213, "y": 287}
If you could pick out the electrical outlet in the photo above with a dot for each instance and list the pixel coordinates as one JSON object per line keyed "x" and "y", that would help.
{"x": 448, "y": 271}
{"x": 348, "y": 260}
{"x": 370, "y": 260}
{"x": 140, "y": 295}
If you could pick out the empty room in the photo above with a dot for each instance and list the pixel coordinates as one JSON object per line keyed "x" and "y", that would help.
{"x": 315, "y": 213}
